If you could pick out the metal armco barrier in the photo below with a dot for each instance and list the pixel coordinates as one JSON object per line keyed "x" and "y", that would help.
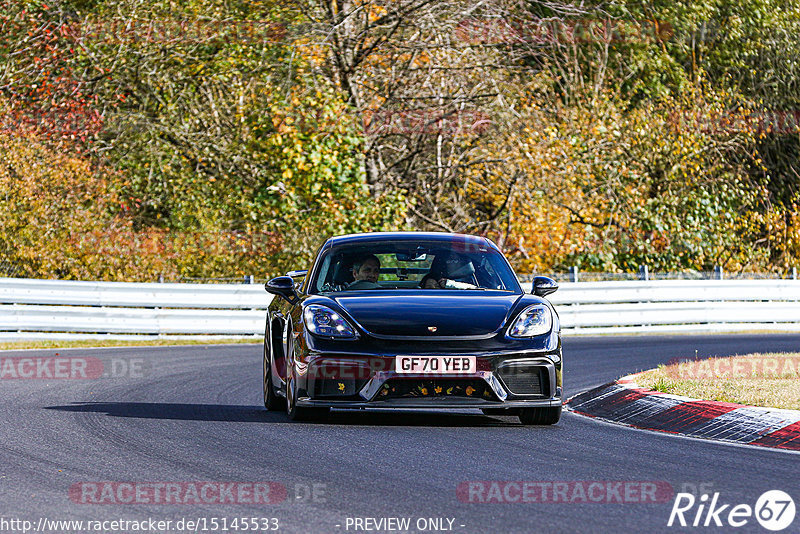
{"x": 50, "y": 309}
{"x": 678, "y": 305}
{"x": 56, "y": 309}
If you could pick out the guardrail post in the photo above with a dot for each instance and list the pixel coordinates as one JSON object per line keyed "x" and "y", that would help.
{"x": 249, "y": 279}
{"x": 718, "y": 272}
{"x": 573, "y": 273}
{"x": 644, "y": 273}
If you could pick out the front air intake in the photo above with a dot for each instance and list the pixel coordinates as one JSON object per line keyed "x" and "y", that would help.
{"x": 523, "y": 380}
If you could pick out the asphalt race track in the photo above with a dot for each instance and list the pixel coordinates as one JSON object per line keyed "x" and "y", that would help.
{"x": 194, "y": 414}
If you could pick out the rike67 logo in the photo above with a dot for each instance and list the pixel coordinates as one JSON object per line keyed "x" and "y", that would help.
{"x": 774, "y": 510}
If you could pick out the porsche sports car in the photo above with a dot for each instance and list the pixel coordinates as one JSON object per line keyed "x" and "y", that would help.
{"x": 412, "y": 320}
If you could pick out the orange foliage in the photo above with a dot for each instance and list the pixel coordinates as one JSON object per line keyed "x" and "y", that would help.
{"x": 60, "y": 218}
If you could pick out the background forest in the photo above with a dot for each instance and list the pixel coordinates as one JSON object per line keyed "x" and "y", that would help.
{"x": 218, "y": 138}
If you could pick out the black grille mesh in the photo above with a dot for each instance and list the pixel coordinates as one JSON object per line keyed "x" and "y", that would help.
{"x": 522, "y": 380}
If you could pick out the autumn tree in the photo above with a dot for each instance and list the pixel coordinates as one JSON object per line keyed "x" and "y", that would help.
{"x": 428, "y": 94}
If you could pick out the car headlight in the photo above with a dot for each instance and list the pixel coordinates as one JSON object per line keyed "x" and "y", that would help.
{"x": 533, "y": 321}
{"x": 323, "y": 321}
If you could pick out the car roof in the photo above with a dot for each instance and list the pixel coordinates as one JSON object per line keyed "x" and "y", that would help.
{"x": 406, "y": 236}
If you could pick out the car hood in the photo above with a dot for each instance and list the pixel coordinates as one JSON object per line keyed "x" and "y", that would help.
{"x": 432, "y": 314}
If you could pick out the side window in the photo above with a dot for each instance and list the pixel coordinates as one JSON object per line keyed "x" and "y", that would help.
{"x": 335, "y": 274}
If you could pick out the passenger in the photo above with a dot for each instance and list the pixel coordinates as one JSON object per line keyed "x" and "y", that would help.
{"x": 451, "y": 271}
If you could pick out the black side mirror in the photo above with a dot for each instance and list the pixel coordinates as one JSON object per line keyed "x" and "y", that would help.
{"x": 543, "y": 286}
{"x": 282, "y": 286}
{"x": 298, "y": 277}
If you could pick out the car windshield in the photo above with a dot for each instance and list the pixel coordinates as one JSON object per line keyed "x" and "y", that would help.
{"x": 413, "y": 265}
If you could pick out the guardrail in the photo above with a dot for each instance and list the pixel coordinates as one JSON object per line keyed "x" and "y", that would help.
{"x": 52, "y": 309}
{"x": 63, "y": 309}
{"x": 678, "y": 305}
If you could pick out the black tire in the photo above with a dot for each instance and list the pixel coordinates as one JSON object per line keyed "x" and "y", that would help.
{"x": 540, "y": 416}
{"x": 272, "y": 402}
{"x": 304, "y": 413}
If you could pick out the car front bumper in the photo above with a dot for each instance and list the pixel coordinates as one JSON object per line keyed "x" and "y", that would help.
{"x": 430, "y": 403}
{"x": 363, "y": 381}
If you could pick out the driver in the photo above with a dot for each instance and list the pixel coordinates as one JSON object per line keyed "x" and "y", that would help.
{"x": 365, "y": 273}
{"x": 429, "y": 281}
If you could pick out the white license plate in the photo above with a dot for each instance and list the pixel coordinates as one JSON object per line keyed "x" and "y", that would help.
{"x": 444, "y": 365}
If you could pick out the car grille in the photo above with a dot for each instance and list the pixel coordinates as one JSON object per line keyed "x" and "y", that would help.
{"x": 411, "y": 388}
{"x": 523, "y": 380}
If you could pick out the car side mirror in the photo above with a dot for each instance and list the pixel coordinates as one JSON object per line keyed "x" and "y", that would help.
{"x": 282, "y": 286}
{"x": 298, "y": 277}
{"x": 543, "y": 286}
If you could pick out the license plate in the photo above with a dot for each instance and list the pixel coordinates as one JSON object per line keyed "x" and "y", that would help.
{"x": 445, "y": 365}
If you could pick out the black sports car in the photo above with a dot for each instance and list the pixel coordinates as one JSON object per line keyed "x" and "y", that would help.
{"x": 412, "y": 320}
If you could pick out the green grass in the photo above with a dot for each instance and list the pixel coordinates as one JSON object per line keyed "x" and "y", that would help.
{"x": 768, "y": 380}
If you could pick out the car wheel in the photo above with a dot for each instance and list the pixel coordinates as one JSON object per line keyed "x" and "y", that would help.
{"x": 301, "y": 413}
{"x": 272, "y": 402}
{"x": 540, "y": 416}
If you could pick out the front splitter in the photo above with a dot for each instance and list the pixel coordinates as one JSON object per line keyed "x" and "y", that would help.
{"x": 430, "y": 403}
